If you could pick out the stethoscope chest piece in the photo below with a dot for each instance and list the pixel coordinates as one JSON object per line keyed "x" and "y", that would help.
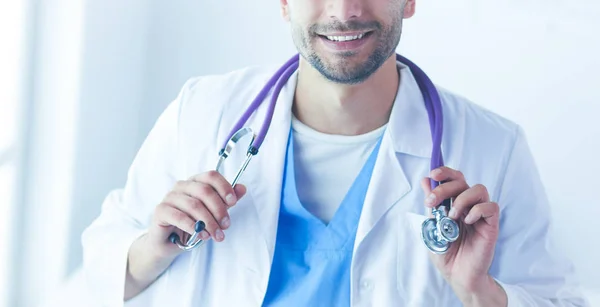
{"x": 448, "y": 229}
{"x": 429, "y": 234}
{"x": 439, "y": 231}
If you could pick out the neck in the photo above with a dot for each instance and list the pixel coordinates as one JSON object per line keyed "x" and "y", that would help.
{"x": 345, "y": 109}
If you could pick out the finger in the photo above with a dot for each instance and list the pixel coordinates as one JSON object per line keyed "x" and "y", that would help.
{"x": 220, "y": 184}
{"x": 426, "y": 185}
{"x": 196, "y": 208}
{"x": 211, "y": 200}
{"x": 444, "y": 191}
{"x": 445, "y": 173}
{"x": 240, "y": 190}
{"x": 214, "y": 203}
{"x": 488, "y": 212}
{"x": 469, "y": 198}
{"x": 167, "y": 215}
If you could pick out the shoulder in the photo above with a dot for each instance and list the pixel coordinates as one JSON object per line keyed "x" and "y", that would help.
{"x": 478, "y": 122}
{"x": 479, "y": 142}
{"x": 476, "y": 114}
{"x": 208, "y": 105}
{"x": 217, "y": 91}
{"x": 208, "y": 100}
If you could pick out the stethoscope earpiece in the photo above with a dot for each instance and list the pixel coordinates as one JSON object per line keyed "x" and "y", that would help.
{"x": 439, "y": 231}
{"x": 194, "y": 241}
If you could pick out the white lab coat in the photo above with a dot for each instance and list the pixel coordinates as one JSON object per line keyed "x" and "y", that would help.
{"x": 390, "y": 266}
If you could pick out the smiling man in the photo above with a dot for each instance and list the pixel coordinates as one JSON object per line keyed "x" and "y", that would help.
{"x": 329, "y": 212}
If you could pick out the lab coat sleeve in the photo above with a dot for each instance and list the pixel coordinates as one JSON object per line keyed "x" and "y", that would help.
{"x": 127, "y": 212}
{"x": 527, "y": 264}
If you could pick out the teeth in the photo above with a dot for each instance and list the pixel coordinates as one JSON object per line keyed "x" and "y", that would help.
{"x": 345, "y": 38}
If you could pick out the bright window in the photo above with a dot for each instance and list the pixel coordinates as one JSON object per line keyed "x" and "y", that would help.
{"x": 12, "y": 40}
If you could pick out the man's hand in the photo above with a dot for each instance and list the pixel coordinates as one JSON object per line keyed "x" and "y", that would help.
{"x": 465, "y": 266}
{"x": 204, "y": 197}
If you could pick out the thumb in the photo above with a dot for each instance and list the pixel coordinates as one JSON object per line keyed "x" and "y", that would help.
{"x": 426, "y": 186}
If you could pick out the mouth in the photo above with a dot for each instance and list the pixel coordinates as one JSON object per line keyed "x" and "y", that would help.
{"x": 345, "y": 41}
{"x": 345, "y": 37}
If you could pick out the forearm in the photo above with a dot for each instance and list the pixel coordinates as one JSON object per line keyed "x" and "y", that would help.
{"x": 142, "y": 268}
{"x": 488, "y": 294}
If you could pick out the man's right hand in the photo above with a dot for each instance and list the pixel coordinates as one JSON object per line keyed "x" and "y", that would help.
{"x": 204, "y": 197}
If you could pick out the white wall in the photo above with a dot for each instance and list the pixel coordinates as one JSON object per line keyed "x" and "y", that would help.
{"x": 538, "y": 71}
{"x": 198, "y": 37}
{"x": 114, "y": 72}
{"x": 45, "y": 203}
{"x": 86, "y": 89}
{"x": 13, "y": 30}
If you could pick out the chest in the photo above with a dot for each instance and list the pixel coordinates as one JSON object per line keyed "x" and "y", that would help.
{"x": 388, "y": 265}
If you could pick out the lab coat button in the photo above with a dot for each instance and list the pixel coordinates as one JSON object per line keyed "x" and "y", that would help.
{"x": 366, "y": 285}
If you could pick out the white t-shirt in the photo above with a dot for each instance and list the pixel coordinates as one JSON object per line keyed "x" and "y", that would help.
{"x": 326, "y": 166}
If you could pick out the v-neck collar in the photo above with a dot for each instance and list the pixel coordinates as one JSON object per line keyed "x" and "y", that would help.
{"x": 303, "y": 230}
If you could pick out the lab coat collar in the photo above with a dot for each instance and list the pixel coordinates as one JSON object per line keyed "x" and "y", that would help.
{"x": 409, "y": 122}
{"x": 408, "y": 125}
{"x": 408, "y": 132}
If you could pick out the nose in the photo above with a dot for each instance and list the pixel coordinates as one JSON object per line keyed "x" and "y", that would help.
{"x": 344, "y": 10}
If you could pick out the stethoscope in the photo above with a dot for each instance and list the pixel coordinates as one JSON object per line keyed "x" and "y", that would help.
{"x": 437, "y": 232}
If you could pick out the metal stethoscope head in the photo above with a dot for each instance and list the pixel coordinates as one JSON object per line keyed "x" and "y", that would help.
{"x": 439, "y": 231}
{"x": 238, "y": 132}
{"x": 194, "y": 241}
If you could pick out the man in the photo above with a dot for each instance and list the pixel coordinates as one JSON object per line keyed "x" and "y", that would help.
{"x": 329, "y": 212}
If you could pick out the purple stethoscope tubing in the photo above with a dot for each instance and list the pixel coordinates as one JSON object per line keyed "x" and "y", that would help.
{"x": 437, "y": 232}
{"x": 430, "y": 96}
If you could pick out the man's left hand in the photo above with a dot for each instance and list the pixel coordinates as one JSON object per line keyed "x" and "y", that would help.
{"x": 465, "y": 265}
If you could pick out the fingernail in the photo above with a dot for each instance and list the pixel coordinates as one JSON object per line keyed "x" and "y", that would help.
{"x": 436, "y": 172}
{"x": 204, "y": 236}
{"x": 452, "y": 213}
{"x": 219, "y": 235}
{"x": 225, "y": 222}
{"x": 230, "y": 199}
{"x": 430, "y": 199}
{"x": 469, "y": 219}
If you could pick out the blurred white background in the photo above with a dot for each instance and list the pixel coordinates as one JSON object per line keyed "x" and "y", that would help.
{"x": 81, "y": 83}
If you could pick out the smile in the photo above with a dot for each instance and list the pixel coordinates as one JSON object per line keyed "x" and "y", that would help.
{"x": 345, "y": 41}
{"x": 345, "y": 38}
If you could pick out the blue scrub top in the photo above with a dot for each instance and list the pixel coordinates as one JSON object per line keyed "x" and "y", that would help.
{"x": 311, "y": 264}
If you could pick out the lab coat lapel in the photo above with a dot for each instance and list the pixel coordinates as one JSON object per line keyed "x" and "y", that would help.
{"x": 388, "y": 185}
{"x": 264, "y": 178}
{"x": 408, "y": 133}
